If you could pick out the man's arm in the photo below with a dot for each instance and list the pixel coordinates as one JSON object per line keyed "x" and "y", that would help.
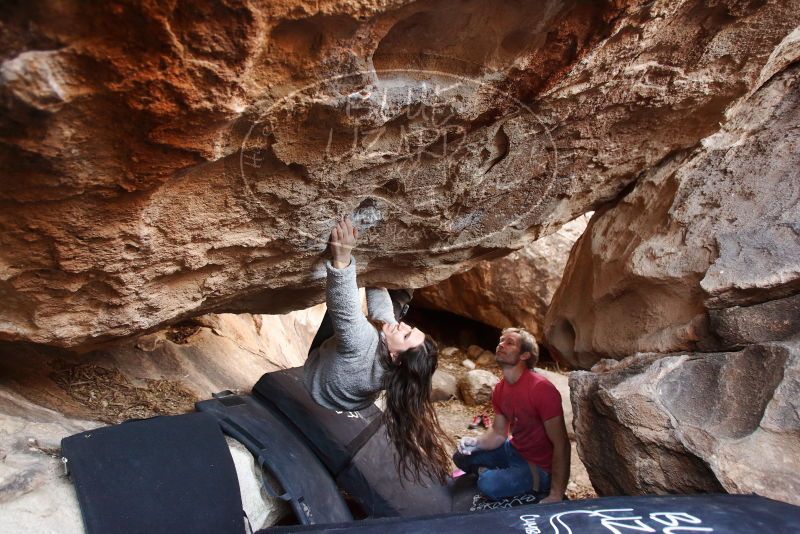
{"x": 557, "y": 432}
{"x": 495, "y": 436}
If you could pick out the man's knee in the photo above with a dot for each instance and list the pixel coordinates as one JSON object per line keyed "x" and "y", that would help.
{"x": 488, "y": 486}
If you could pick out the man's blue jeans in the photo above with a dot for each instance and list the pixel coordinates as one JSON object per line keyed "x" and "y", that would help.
{"x": 507, "y": 474}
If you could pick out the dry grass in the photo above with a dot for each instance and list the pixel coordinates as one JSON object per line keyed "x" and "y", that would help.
{"x": 111, "y": 398}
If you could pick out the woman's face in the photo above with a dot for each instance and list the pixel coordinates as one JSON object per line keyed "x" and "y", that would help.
{"x": 400, "y": 337}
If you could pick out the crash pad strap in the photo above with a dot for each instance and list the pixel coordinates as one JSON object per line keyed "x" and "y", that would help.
{"x": 335, "y": 436}
{"x": 165, "y": 474}
{"x": 364, "y": 436}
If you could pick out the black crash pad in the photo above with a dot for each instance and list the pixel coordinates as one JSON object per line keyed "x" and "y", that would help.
{"x": 280, "y": 451}
{"x": 687, "y": 514}
{"x": 166, "y": 474}
{"x": 356, "y": 449}
{"x": 335, "y": 436}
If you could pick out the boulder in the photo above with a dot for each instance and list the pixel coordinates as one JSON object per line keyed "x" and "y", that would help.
{"x": 262, "y": 510}
{"x": 444, "y": 386}
{"x": 773, "y": 320}
{"x": 704, "y": 253}
{"x": 162, "y": 162}
{"x": 693, "y": 422}
{"x": 485, "y": 358}
{"x": 449, "y": 352}
{"x": 514, "y": 290}
{"x": 473, "y": 351}
{"x": 691, "y": 281}
{"x": 36, "y": 495}
{"x": 476, "y": 387}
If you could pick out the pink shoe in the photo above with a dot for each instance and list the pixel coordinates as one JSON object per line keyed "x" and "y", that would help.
{"x": 477, "y": 422}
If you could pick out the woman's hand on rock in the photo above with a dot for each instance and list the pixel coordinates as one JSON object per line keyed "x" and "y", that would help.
{"x": 343, "y": 240}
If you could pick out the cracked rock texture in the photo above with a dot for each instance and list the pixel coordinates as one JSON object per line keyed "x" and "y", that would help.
{"x": 704, "y": 252}
{"x": 691, "y": 280}
{"x": 693, "y": 422}
{"x": 514, "y": 290}
{"x": 47, "y": 394}
{"x": 165, "y": 160}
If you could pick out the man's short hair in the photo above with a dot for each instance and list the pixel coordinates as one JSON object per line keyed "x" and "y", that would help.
{"x": 527, "y": 343}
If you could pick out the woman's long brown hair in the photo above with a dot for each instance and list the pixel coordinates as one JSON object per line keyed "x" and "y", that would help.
{"x": 409, "y": 416}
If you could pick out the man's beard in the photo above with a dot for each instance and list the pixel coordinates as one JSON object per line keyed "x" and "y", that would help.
{"x": 503, "y": 363}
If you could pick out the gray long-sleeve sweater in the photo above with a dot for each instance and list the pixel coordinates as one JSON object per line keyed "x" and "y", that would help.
{"x": 344, "y": 372}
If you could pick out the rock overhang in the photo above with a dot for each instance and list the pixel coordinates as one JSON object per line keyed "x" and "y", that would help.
{"x": 125, "y": 140}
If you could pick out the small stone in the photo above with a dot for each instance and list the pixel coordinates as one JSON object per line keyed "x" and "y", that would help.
{"x": 449, "y": 351}
{"x": 148, "y": 343}
{"x": 485, "y": 358}
{"x": 473, "y": 351}
{"x": 444, "y": 386}
{"x": 476, "y": 387}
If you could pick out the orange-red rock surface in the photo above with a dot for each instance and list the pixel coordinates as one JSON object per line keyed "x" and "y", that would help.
{"x": 164, "y": 160}
{"x": 514, "y": 290}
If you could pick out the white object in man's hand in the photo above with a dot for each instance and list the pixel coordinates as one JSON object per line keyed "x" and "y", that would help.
{"x": 467, "y": 445}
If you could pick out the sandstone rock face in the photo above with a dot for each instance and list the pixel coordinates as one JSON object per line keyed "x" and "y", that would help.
{"x": 697, "y": 269}
{"x": 693, "y": 422}
{"x": 47, "y": 394}
{"x": 704, "y": 253}
{"x": 514, "y": 290}
{"x": 165, "y": 161}
{"x": 35, "y": 495}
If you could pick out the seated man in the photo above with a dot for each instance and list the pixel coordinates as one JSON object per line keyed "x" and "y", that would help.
{"x": 536, "y": 459}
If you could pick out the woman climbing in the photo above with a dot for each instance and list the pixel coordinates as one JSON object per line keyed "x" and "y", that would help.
{"x": 353, "y": 358}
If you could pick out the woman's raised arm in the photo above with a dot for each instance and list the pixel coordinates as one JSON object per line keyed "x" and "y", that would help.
{"x": 341, "y": 293}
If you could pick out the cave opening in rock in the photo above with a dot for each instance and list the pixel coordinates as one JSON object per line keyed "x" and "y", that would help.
{"x": 452, "y": 330}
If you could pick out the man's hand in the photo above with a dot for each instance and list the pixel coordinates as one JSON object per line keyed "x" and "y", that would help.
{"x": 467, "y": 445}
{"x": 343, "y": 240}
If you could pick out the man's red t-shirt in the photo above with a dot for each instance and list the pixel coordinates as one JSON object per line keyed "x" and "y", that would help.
{"x": 527, "y": 404}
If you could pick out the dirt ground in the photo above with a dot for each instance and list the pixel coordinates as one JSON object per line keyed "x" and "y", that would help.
{"x": 111, "y": 398}
{"x": 454, "y": 416}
